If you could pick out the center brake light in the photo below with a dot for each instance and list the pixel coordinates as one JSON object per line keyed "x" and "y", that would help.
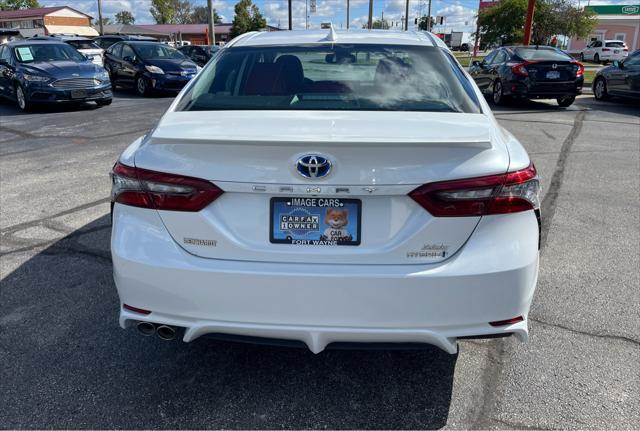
{"x": 150, "y": 189}
{"x": 494, "y": 194}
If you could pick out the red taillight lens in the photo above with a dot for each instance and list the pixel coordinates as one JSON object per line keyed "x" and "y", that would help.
{"x": 494, "y": 194}
{"x": 580, "y": 70}
{"x": 149, "y": 189}
{"x": 135, "y": 309}
{"x": 521, "y": 68}
{"x": 605, "y": 50}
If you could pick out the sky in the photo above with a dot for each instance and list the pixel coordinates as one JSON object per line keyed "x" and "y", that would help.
{"x": 459, "y": 14}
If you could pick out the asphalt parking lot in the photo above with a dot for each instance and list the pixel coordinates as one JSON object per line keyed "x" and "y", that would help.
{"x": 65, "y": 363}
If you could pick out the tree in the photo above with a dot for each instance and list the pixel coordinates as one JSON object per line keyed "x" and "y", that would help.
{"x": 378, "y": 24}
{"x": 163, "y": 11}
{"x": 423, "y": 23}
{"x": 106, "y": 21}
{"x": 200, "y": 15}
{"x": 247, "y": 18}
{"x": 183, "y": 9}
{"x": 504, "y": 23}
{"x": 125, "y": 17}
{"x": 18, "y": 4}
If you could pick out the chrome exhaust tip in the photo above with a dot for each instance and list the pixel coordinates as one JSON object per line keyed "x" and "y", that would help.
{"x": 166, "y": 332}
{"x": 146, "y": 328}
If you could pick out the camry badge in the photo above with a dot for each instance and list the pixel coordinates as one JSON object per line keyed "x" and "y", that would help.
{"x": 313, "y": 166}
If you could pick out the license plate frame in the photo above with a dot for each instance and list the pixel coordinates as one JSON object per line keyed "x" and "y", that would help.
{"x": 312, "y": 213}
{"x": 79, "y": 94}
{"x": 553, "y": 74}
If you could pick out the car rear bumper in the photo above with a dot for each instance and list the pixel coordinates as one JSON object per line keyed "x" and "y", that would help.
{"x": 546, "y": 89}
{"x": 169, "y": 82}
{"x": 491, "y": 278}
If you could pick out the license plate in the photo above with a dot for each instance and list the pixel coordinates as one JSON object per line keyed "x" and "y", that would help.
{"x": 315, "y": 221}
{"x": 79, "y": 94}
{"x": 616, "y": 51}
{"x": 553, "y": 74}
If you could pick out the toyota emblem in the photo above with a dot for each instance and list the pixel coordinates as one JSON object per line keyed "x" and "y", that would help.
{"x": 313, "y": 166}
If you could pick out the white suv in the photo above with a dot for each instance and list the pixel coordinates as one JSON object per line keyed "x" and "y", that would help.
{"x": 327, "y": 188}
{"x": 604, "y": 51}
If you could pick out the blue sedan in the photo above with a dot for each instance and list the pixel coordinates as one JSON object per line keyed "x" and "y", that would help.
{"x": 36, "y": 72}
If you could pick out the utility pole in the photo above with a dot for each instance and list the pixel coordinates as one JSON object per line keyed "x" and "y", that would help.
{"x": 429, "y": 17}
{"x": 406, "y": 17}
{"x": 100, "y": 17}
{"x": 529, "y": 22}
{"x": 212, "y": 22}
{"x": 347, "y": 14}
{"x": 370, "y": 14}
{"x": 290, "y": 18}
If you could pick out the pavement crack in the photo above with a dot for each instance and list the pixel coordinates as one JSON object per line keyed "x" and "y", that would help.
{"x": 490, "y": 377}
{"x": 519, "y": 426}
{"x": 587, "y": 333}
{"x": 25, "y": 225}
{"x": 24, "y": 135}
{"x": 548, "y": 207}
{"x": 56, "y": 242}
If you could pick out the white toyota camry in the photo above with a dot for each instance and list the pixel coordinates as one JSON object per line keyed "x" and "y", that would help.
{"x": 326, "y": 187}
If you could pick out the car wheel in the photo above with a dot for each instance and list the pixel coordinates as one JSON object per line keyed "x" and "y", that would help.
{"x": 104, "y": 102}
{"x": 600, "y": 89}
{"x": 141, "y": 86}
{"x": 566, "y": 101}
{"x": 21, "y": 99}
{"x": 498, "y": 96}
{"x": 596, "y": 58}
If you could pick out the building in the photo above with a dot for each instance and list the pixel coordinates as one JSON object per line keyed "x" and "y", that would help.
{"x": 621, "y": 22}
{"x": 48, "y": 20}
{"x": 196, "y": 34}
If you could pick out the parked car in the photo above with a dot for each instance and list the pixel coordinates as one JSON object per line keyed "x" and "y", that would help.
{"x": 85, "y": 46}
{"x": 604, "y": 51}
{"x": 530, "y": 72}
{"x": 622, "y": 79}
{"x": 105, "y": 42}
{"x": 286, "y": 195}
{"x": 148, "y": 66}
{"x": 37, "y": 71}
{"x": 200, "y": 54}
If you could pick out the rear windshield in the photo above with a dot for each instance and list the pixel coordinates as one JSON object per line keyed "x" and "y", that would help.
{"x": 615, "y": 45}
{"x": 46, "y": 52}
{"x": 542, "y": 54}
{"x": 332, "y": 77}
{"x": 83, "y": 44}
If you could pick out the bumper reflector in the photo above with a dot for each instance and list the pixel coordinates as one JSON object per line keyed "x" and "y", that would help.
{"x": 136, "y": 309}
{"x": 507, "y": 322}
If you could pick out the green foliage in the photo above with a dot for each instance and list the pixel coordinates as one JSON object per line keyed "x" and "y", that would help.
{"x": 106, "y": 21}
{"x": 423, "y": 23}
{"x": 247, "y": 18}
{"x": 163, "y": 11}
{"x": 503, "y": 23}
{"x": 125, "y": 17}
{"x": 200, "y": 15}
{"x": 18, "y": 4}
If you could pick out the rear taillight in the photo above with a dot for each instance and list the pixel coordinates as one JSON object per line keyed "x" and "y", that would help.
{"x": 521, "y": 68}
{"x": 605, "y": 50}
{"x": 494, "y": 194}
{"x": 580, "y": 70}
{"x": 149, "y": 189}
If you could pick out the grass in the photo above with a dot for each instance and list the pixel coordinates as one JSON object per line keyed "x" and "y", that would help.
{"x": 588, "y": 77}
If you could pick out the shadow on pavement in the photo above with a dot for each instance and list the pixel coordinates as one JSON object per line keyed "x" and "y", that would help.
{"x": 67, "y": 364}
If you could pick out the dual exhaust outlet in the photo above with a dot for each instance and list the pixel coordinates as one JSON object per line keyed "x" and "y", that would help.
{"x": 164, "y": 332}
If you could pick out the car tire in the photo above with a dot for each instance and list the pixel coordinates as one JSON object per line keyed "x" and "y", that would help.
{"x": 142, "y": 86}
{"x": 497, "y": 94}
{"x": 600, "y": 89}
{"x": 596, "y": 58}
{"x": 566, "y": 101}
{"x": 22, "y": 100}
{"x": 104, "y": 102}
